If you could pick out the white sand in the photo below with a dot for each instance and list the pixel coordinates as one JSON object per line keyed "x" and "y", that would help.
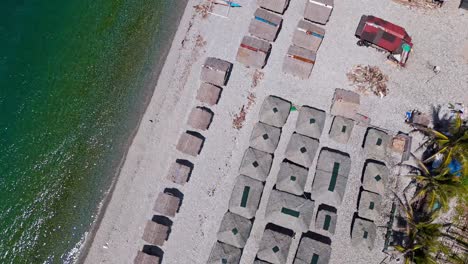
{"x": 437, "y": 36}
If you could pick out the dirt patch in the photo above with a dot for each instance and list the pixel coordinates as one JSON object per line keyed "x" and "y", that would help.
{"x": 257, "y": 77}
{"x": 204, "y": 9}
{"x": 239, "y": 118}
{"x": 426, "y": 4}
{"x": 368, "y": 79}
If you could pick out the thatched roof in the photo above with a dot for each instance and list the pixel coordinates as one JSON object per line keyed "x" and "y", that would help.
{"x": 200, "y": 118}
{"x": 265, "y": 25}
{"x": 370, "y": 205}
{"x": 308, "y": 35}
{"x": 326, "y": 221}
{"x": 215, "y": 71}
{"x": 155, "y": 233}
{"x": 375, "y": 177}
{"x": 301, "y": 149}
{"x": 274, "y": 111}
{"x": 256, "y": 164}
{"x": 345, "y": 103}
{"x": 331, "y": 177}
{"x": 179, "y": 173}
{"x": 310, "y": 121}
{"x": 190, "y": 143}
{"x": 265, "y": 137}
{"x": 274, "y": 247}
{"x": 341, "y": 129}
{"x": 376, "y": 143}
{"x": 312, "y": 251}
{"x": 167, "y": 204}
{"x": 234, "y": 230}
{"x": 253, "y": 52}
{"x": 224, "y": 253}
{"x": 318, "y": 11}
{"x": 291, "y": 178}
{"x": 299, "y": 62}
{"x": 143, "y": 258}
{"x": 208, "y": 94}
{"x": 245, "y": 196}
{"x": 289, "y": 211}
{"x": 363, "y": 233}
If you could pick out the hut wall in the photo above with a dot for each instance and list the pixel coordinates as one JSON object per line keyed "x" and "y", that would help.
{"x": 308, "y": 36}
{"x": 294, "y": 62}
{"x": 265, "y": 25}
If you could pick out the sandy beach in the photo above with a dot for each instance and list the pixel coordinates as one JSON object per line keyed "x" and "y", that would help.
{"x": 206, "y": 195}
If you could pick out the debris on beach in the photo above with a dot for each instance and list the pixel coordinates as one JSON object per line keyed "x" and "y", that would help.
{"x": 257, "y": 77}
{"x": 239, "y": 118}
{"x": 203, "y": 9}
{"x": 199, "y": 41}
{"x": 427, "y": 4}
{"x": 368, "y": 79}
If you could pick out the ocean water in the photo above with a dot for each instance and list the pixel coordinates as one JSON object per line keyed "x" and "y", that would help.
{"x": 75, "y": 77}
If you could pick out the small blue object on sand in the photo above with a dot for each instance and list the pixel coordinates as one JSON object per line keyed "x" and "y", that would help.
{"x": 232, "y": 4}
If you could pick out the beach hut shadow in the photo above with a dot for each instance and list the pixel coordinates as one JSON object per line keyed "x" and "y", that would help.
{"x": 154, "y": 251}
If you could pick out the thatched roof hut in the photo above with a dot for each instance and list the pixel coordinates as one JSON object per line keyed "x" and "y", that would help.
{"x": 234, "y": 230}
{"x": 200, "y": 118}
{"x": 224, "y": 253}
{"x": 265, "y": 25}
{"x": 291, "y": 178}
{"x": 155, "y": 233}
{"x": 326, "y": 221}
{"x": 289, "y": 211}
{"x": 167, "y": 204}
{"x": 341, "y": 129}
{"x": 370, "y": 205}
{"x": 277, "y": 6}
{"x": 215, "y": 71}
{"x": 345, "y": 103}
{"x": 179, "y": 172}
{"x": 375, "y": 177}
{"x": 208, "y": 93}
{"x": 253, "y": 52}
{"x": 245, "y": 196}
{"x": 310, "y": 121}
{"x": 190, "y": 143}
{"x": 274, "y": 247}
{"x": 265, "y": 137}
{"x": 331, "y": 177}
{"x": 312, "y": 251}
{"x": 301, "y": 149}
{"x": 143, "y": 258}
{"x": 308, "y": 35}
{"x": 299, "y": 62}
{"x": 274, "y": 111}
{"x": 363, "y": 233}
{"x": 376, "y": 142}
{"x": 256, "y": 164}
{"x": 318, "y": 11}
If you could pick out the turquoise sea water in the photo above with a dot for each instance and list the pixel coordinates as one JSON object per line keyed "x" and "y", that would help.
{"x": 75, "y": 77}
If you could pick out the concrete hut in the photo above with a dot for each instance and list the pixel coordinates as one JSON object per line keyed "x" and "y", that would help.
{"x": 301, "y": 150}
{"x": 265, "y": 25}
{"x": 340, "y": 130}
{"x": 376, "y": 142}
{"x": 179, "y": 172}
{"x": 190, "y": 143}
{"x": 256, "y": 164}
{"x": 299, "y": 62}
{"x": 253, "y": 52}
{"x": 155, "y": 233}
{"x": 265, "y": 137}
{"x": 224, "y": 253}
{"x": 291, "y": 178}
{"x": 143, "y": 258}
{"x": 277, "y": 6}
{"x": 245, "y": 196}
{"x": 289, "y": 211}
{"x": 208, "y": 94}
{"x": 370, "y": 205}
{"x": 326, "y": 220}
{"x": 312, "y": 251}
{"x": 363, "y": 233}
{"x": 345, "y": 103}
{"x": 200, "y": 118}
{"x": 274, "y": 111}
{"x": 274, "y": 247}
{"x": 234, "y": 230}
{"x": 215, "y": 71}
{"x": 331, "y": 177}
{"x": 167, "y": 204}
{"x": 308, "y": 35}
{"x": 310, "y": 122}
{"x": 375, "y": 177}
{"x": 318, "y": 11}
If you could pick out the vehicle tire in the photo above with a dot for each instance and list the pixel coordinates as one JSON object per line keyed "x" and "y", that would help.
{"x": 360, "y": 43}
